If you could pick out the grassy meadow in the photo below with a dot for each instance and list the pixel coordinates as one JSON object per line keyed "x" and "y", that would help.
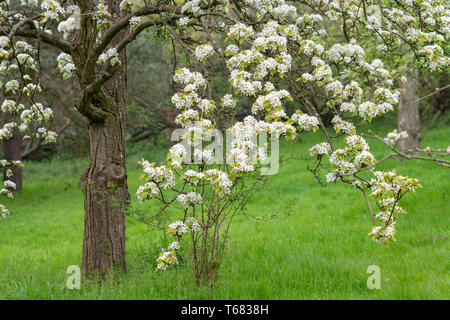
{"x": 315, "y": 246}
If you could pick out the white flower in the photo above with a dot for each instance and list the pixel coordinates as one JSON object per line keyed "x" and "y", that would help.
{"x": 183, "y": 21}
{"x": 174, "y": 245}
{"x": 320, "y": 149}
{"x": 134, "y": 21}
{"x": 393, "y": 137}
{"x": 343, "y": 126}
{"x": 195, "y": 226}
{"x": 148, "y": 189}
{"x": 240, "y": 31}
{"x": 3, "y": 211}
{"x": 228, "y": 102}
{"x": 192, "y": 6}
{"x": 189, "y": 199}
{"x": 68, "y": 26}
{"x": 177, "y": 228}
{"x": 9, "y": 184}
{"x": 110, "y": 55}
{"x": 331, "y": 177}
{"x": 203, "y": 51}
{"x": 306, "y": 122}
{"x": 65, "y": 65}
{"x": 166, "y": 259}
{"x": 177, "y": 154}
{"x": 162, "y": 175}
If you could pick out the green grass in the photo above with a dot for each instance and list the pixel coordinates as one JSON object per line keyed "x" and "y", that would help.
{"x": 318, "y": 248}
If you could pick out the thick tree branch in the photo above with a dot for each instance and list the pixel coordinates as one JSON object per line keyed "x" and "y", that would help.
{"x": 36, "y": 33}
{"x": 120, "y": 25}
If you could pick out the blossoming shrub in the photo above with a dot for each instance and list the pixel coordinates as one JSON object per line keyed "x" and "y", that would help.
{"x": 270, "y": 47}
{"x": 206, "y": 201}
{"x": 208, "y": 191}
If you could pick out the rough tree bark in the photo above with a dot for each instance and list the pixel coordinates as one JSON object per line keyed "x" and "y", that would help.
{"x": 106, "y": 193}
{"x": 105, "y": 182}
{"x": 408, "y": 117}
{"x": 12, "y": 149}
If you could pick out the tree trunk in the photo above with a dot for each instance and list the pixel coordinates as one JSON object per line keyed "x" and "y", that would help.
{"x": 408, "y": 118}
{"x": 106, "y": 195}
{"x": 13, "y": 153}
{"x": 106, "y": 192}
{"x": 105, "y": 182}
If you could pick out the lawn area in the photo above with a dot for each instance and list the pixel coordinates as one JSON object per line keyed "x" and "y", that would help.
{"x": 317, "y": 247}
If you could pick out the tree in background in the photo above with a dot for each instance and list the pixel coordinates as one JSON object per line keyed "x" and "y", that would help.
{"x": 22, "y": 116}
{"x": 410, "y": 116}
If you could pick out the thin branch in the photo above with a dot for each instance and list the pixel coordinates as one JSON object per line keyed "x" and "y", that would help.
{"x": 435, "y": 92}
{"x": 36, "y": 33}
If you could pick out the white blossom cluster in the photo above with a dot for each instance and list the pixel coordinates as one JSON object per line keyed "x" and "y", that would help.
{"x": 305, "y": 122}
{"x": 36, "y": 113}
{"x": 134, "y": 21}
{"x": 68, "y": 26}
{"x": 272, "y": 100}
{"x": 11, "y": 106}
{"x": 52, "y": 9}
{"x": 124, "y": 4}
{"x": 176, "y": 229}
{"x": 101, "y": 15}
{"x": 322, "y": 148}
{"x": 163, "y": 176}
{"x": 228, "y": 102}
{"x": 348, "y": 160}
{"x": 65, "y": 65}
{"x": 146, "y": 191}
{"x": 394, "y": 137}
{"x": 340, "y": 125}
{"x": 7, "y": 190}
{"x": 204, "y": 51}
{"x": 177, "y": 154}
{"x": 110, "y": 55}
{"x": 192, "y": 6}
{"x": 387, "y": 188}
{"x": 219, "y": 180}
{"x": 3, "y": 211}
{"x": 166, "y": 259}
{"x": 189, "y": 199}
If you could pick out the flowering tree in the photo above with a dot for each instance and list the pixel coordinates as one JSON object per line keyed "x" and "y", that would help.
{"x": 302, "y": 51}
{"x": 313, "y": 52}
{"x": 23, "y": 116}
